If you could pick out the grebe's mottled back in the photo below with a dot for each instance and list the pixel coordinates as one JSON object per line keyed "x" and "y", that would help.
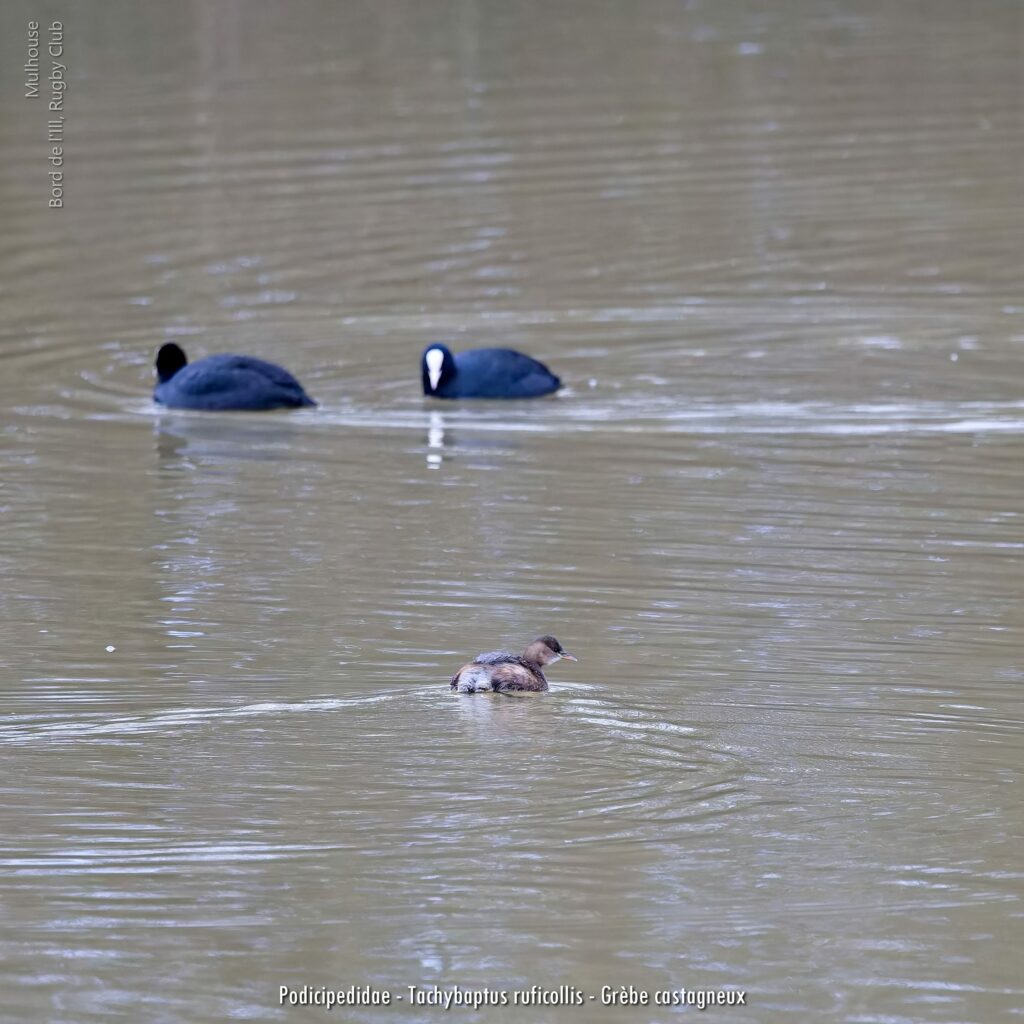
{"x": 495, "y": 657}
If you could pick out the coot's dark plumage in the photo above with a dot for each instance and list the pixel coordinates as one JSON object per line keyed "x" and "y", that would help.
{"x": 484, "y": 373}
{"x": 502, "y": 671}
{"x": 224, "y": 382}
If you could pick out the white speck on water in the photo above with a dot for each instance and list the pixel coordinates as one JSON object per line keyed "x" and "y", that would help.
{"x": 953, "y": 357}
{"x": 111, "y": 648}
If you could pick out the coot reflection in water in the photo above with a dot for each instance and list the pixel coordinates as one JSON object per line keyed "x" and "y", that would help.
{"x": 197, "y": 439}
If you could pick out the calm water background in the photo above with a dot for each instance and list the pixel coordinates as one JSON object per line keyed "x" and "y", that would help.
{"x": 775, "y": 251}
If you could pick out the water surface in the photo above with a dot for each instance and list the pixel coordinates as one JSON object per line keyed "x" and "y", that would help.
{"x": 775, "y": 256}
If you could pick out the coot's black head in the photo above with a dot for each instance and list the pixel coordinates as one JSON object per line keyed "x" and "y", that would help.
{"x": 546, "y": 649}
{"x": 438, "y": 366}
{"x": 169, "y": 360}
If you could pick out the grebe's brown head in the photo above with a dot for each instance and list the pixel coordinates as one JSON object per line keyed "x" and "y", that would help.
{"x": 546, "y": 649}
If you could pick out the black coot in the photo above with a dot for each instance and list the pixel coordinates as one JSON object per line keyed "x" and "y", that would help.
{"x": 485, "y": 373}
{"x": 224, "y": 382}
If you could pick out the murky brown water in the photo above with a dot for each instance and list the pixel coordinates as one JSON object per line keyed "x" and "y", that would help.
{"x": 776, "y": 255}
